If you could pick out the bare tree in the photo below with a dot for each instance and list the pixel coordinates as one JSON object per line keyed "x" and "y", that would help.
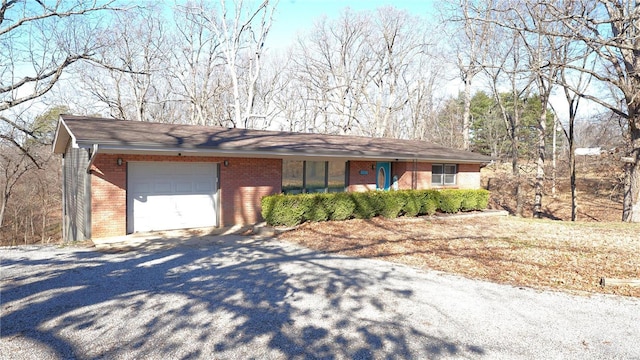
{"x": 205, "y": 70}
{"x": 273, "y": 82}
{"x": 197, "y": 67}
{"x": 242, "y": 32}
{"x": 605, "y": 130}
{"x": 39, "y": 41}
{"x": 609, "y": 31}
{"x": 540, "y": 54}
{"x": 137, "y": 43}
{"x": 471, "y": 40}
{"x": 543, "y": 66}
{"x": 28, "y": 194}
{"x": 13, "y": 166}
{"x": 424, "y": 100}
{"x": 332, "y": 62}
{"x": 446, "y": 128}
{"x": 291, "y": 103}
{"x": 505, "y": 65}
{"x": 573, "y": 102}
{"x": 397, "y": 45}
{"x": 364, "y": 71}
{"x": 28, "y": 173}
{"x": 174, "y": 74}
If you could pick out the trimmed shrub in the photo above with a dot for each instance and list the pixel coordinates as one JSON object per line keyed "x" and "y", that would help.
{"x": 391, "y": 203}
{"x": 378, "y": 200}
{"x": 364, "y": 207}
{"x": 343, "y": 207}
{"x": 450, "y": 201}
{"x": 318, "y": 207}
{"x": 482, "y": 199}
{"x": 266, "y": 204}
{"x": 413, "y": 203}
{"x": 469, "y": 200}
{"x": 287, "y": 210}
{"x": 474, "y": 200}
{"x": 290, "y": 210}
{"x": 429, "y": 202}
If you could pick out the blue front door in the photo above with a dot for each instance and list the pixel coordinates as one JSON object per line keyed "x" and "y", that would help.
{"x": 383, "y": 175}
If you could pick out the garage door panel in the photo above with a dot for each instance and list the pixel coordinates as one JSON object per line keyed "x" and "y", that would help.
{"x": 167, "y": 196}
{"x": 202, "y": 187}
{"x": 184, "y": 187}
{"x": 141, "y": 188}
{"x": 162, "y": 188}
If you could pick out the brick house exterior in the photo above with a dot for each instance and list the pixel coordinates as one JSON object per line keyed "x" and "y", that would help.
{"x": 98, "y": 154}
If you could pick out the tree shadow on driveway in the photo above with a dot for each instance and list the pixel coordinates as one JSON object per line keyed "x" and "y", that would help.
{"x": 235, "y": 297}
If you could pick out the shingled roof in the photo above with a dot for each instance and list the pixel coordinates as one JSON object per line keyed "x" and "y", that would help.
{"x": 133, "y": 136}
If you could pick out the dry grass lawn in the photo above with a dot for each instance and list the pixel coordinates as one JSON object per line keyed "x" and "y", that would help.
{"x": 523, "y": 252}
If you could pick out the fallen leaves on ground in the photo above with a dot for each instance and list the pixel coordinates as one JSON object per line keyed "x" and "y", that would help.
{"x": 522, "y": 252}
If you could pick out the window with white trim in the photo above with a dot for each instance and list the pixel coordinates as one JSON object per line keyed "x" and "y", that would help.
{"x": 443, "y": 174}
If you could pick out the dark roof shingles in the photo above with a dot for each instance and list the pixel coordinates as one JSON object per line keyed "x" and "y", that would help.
{"x": 135, "y": 133}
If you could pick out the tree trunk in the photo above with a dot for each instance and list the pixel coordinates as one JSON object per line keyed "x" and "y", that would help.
{"x": 44, "y": 225}
{"x": 33, "y": 226}
{"x": 634, "y": 191}
{"x": 631, "y": 207}
{"x": 572, "y": 170}
{"x": 3, "y": 208}
{"x": 466, "y": 114}
{"x": 515, "y": 170}
{"x": 237, "y": 110}
{"x": 627, "y": 201}
{"x": 539, "y": 187}
{"x": 553, "y": 162}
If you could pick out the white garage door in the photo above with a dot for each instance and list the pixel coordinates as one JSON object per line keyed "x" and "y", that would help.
{"x": 164, "y": 196}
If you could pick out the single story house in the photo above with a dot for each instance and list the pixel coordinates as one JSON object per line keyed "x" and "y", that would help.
{"x": 121, "y": 177}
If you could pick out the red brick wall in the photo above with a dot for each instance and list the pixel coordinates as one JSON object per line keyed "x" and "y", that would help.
{"x": 359, "y": 182}
{"x": 402, "y": 171}
{"x": 469, "y": 176}
{"x": 242, "y": 184}
{"x": 412, "y": 175}
{"x": 108, "y": 197}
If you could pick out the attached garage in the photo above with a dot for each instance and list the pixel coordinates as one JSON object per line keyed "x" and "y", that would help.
{"x": 171, "y": 195}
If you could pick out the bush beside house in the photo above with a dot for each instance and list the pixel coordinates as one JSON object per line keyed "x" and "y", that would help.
{"x": 290, "y": 210}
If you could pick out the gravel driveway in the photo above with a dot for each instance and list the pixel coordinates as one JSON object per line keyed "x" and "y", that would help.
{"x": 240, "y": 297}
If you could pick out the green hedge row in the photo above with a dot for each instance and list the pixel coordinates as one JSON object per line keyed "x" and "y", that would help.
{"x": 290, "y": 210}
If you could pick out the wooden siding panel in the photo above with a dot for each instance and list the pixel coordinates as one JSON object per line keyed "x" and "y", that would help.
{"x": 75, "y": 196}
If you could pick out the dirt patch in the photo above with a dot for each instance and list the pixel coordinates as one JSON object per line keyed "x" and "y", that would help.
{"x": 522, "y": 252}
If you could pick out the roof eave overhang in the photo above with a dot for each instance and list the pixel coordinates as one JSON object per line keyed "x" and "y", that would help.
{"x": 62, "y": 137}
{"x": 106, "y": 148}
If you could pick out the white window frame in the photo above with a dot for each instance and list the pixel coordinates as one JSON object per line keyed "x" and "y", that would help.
{"x": 445, "y": 175}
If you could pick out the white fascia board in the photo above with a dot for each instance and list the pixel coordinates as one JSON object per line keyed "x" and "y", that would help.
{"x": 154, "y": 150}
{"x": 62, "y": 137}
